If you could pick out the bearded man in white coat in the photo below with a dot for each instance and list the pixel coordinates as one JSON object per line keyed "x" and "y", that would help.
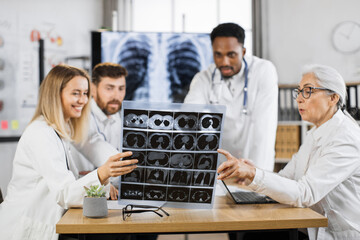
{"x": 247, "y": 85}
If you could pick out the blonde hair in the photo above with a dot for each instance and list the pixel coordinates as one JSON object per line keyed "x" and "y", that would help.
{"x": 50, "y": 106}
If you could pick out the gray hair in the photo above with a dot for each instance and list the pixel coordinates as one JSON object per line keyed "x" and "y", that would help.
{"x": 328, "y": 77}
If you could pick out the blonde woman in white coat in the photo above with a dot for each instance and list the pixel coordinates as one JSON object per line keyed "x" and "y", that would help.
{"x": 44, "y": 181}
{"x": 325, "y": 173}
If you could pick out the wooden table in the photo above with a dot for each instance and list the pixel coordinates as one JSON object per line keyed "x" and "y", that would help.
{"x": 224, "y": 217}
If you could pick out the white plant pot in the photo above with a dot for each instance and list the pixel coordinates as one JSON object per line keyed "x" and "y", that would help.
{"x": 95, "y": 207}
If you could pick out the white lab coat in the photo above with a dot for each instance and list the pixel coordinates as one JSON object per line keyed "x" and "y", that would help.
{"x": 102, "y": 129}
{"x": 249, "y": 136}
{"x": 325, "y": 176}
{"x": 42, "y": 187}
{"x": 108, "y": 127}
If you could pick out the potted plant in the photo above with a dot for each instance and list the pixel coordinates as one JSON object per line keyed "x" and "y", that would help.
{"x": 95, "y": 204}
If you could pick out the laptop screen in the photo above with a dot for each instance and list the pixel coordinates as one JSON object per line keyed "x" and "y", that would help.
{"x": 243, "y": 196}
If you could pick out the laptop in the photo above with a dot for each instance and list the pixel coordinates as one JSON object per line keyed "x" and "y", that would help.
{"x": 241, "y": 196}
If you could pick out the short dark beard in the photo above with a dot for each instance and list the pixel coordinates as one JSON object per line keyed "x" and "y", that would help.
{"x": 102, "y": 105}
{"x": 105, "y": 112}
{"x": 226, "y": 77}
{"x": 108, "y": 113}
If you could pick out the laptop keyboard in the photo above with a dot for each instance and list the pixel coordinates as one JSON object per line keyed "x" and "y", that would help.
{"x": 251, "y": 197}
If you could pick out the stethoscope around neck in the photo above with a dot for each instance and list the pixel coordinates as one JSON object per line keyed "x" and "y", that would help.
{"x": 246, "y": 73}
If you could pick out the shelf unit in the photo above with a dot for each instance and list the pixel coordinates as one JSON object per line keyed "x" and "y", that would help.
{"x": 296, "y": 137}
{"x": 290, "y": 129}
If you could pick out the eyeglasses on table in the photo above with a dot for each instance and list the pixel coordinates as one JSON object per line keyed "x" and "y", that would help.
{"x": 131, "y": 208}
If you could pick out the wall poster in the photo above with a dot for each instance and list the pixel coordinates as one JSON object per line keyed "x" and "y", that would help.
{"x": 176, "y": 147}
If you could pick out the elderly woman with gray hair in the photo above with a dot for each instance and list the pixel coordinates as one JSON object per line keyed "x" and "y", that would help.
{"x": 325, "y": 173}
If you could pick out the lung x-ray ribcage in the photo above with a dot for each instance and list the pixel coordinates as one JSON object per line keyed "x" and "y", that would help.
{"x": 178, "y": 194}
{"x": 155, "y": 193}
{"x": 135, "y": 176}
{"x": 185, "y": 122}
{"x": 161, "y": 122}
{"x": 157, "y": 159}
{"x": 184, "y": 141}
{"x": 159, "y": 141}
{"x": 160, "y": 65}
{"x": 210, "y": 122}
{"x": 180, "y": 177}
{"x": 183, "y": 64}
{"x": 181, "y": 160}
{"x": 205, "y": 161}
{"x": 157, "y": 176}
{"x": 201, "y": 195}
{"x": 208, "y": 141}
{"x": 135, "y": 120}
{"x": 203, "y": 178}
{"x": 134, "y": 56}
{"x": 134, "y": 139}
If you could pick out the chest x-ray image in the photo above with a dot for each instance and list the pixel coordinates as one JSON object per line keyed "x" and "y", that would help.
{"x": 160, "y": 65}
{"x": 176, "y": 147}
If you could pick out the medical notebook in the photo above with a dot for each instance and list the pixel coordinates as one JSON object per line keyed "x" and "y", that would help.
{"x": 246, "y": 197}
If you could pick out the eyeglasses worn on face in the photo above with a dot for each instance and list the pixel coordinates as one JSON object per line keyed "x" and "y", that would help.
{"x": 306, "y": 92}
{"x": 130, "y": 209}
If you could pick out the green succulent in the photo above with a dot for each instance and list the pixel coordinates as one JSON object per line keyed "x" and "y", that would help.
{"x": 95, "y": 191}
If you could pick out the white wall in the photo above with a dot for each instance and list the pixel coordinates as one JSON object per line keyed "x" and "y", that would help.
{"x": 299, "y": 32}
{"x": 7, "y": 152}
{"x": 69, "y": 19}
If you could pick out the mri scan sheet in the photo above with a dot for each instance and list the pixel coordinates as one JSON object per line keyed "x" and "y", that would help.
{"x": 176, "y": 147}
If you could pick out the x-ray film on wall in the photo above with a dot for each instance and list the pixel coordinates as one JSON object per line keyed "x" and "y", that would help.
{"x": 160, "y": 65}
{"x": 176, "y": 147}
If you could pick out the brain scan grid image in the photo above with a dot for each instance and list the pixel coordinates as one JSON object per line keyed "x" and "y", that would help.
{"x": 176, "y": 152}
